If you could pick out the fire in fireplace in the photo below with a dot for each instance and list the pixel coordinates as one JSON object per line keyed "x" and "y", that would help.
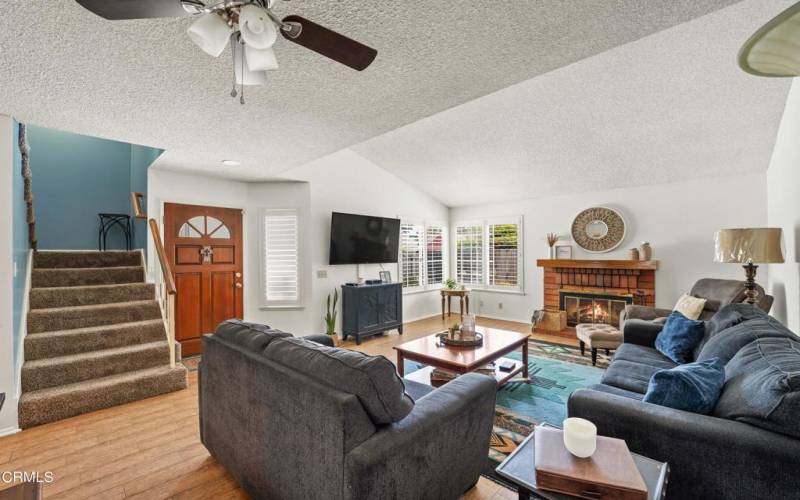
{"x": 593, "y": 307}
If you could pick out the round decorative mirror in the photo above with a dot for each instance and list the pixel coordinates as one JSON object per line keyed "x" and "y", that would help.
{"x": 598, "y": 229}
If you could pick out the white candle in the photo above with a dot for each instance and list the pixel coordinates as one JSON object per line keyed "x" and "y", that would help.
{"x": 580, "y": 437}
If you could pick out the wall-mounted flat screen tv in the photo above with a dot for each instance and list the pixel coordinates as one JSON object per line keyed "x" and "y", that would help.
{"x": 363, "y": 239}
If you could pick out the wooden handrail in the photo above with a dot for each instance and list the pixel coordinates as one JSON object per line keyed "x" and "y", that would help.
{"x": 169, "y": 280}
{"x": 136, "y": 202}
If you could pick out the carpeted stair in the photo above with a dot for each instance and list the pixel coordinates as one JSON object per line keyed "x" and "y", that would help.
{"x": 95, "y": 339}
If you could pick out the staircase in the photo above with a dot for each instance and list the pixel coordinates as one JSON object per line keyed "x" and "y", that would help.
{"x": 96, "y": 337}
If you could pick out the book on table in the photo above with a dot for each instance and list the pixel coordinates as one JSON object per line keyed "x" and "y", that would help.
{"x": 609, "y": 473}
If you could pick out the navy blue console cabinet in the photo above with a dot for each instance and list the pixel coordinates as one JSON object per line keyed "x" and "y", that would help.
{"x": 371, "y": 309}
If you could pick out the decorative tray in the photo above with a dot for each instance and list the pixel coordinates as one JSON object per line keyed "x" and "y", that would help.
{"x": 445, "y": 339}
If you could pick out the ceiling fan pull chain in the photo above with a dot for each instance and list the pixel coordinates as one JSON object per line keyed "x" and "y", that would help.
{"x": 233, "y": 90}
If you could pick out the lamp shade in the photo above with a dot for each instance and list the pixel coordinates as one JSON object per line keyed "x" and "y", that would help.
{"x": 244, "y": 75}
{"x": 258, "y": 30}
{"x": 774, "y": 50}
{"x": 260, "y": 59}
{"x": 210, "y": 33}
{"x": 752, "y": 245}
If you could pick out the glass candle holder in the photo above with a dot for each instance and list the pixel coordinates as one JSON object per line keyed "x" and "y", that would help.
{"x": 580, "y": 437}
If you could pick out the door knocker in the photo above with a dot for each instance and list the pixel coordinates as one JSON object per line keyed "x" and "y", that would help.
{"x": 207, "y": 252}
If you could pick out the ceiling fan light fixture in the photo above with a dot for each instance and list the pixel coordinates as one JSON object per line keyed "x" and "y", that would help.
{"x": 257, "y": 28}
{"x": 260, "y": 59}
{"x": 244, "y": 75}
{"x": 210, "y": 33}
{"x": 774, "y": 50}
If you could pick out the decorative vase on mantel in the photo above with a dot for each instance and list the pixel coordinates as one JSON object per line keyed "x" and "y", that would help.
{"x": 633, "y": 254}
{"x": 645, "y": 251}
{"x": 552, "y": 253}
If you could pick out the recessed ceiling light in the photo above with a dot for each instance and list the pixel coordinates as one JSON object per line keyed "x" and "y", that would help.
{"x": 231, "y": 163}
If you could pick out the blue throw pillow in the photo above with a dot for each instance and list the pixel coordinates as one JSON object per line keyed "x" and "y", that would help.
{"x": 679, "y": 337}
{"x": 693, "y": 387}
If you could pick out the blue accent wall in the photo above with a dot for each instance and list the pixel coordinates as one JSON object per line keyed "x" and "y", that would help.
{"x": 75, "y": 177}
{"x": 20, "y": 245}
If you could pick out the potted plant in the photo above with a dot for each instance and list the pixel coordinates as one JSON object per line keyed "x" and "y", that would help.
{"x": 450, "y": 284}
{"x": 330, "y": 317}
{"x": 454, "y": 330}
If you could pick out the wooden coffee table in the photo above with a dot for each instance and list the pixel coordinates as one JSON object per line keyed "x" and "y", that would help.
{"x": 496, "y": 344}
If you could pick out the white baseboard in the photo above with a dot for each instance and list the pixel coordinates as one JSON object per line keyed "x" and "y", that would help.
{"x": 9, "y": 431}
{"x": 420, "y": 318}
{"x": 513, "y": 320}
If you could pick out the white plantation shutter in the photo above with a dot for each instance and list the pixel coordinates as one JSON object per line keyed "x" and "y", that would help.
{"x": 281, "y": 257}
{"x": 504, "y": 255}
{"x": 411, "y": 248}
{"x": 435, "y": 254}
{"x": 469, "y": 254}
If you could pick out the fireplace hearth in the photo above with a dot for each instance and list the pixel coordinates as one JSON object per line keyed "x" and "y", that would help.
{"x": 593, "y": 307}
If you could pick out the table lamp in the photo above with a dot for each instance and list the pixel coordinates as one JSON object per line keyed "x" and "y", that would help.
{"x": 749, "y": 246}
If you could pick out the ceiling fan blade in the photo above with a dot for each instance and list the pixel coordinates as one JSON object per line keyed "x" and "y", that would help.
{"x": 116, "y": 10}
{"x": 330, "y": 43}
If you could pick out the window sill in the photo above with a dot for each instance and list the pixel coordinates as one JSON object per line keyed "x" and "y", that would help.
{"x": 281, "y": 308}
{"x": 498, "y": 290}
{"x": 416, "y": 291}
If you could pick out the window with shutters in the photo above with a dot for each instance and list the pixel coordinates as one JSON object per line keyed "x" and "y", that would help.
{"x": 435, "y": 254}
{"x": 489, "y": 254}
{"x": 423, "y": 254}
{"x": 504, "y": 255}
{"x": 281, "y": 258}
{"x": 411, "y": 256}
{"x": 469, "y": 254}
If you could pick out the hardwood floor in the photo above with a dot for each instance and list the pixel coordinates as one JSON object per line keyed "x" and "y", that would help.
{"x": 150, "y": 449}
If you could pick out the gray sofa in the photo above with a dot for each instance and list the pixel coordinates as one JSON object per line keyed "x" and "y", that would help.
{"x": 718, "y": 293}
{"x": 290, "y": 418}
{"x": 749, "y": 447}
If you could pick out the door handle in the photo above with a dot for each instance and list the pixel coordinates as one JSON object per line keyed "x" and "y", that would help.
{"x": 238, "y": 285}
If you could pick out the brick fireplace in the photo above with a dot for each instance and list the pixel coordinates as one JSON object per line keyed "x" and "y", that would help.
{"x": 588, "y": 291}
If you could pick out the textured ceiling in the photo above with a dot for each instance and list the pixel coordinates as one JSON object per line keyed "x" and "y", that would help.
{"x": 144, "y": 82}
{"x": 668, "y": 107}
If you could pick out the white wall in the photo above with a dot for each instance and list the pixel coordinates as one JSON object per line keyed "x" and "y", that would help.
{"x": 347, "y": 182}
{"x": 342, "y": 182}
{"x": 8, "y": 415}
{"x": 783, "y": 196}
{"x": 677, "y": 219}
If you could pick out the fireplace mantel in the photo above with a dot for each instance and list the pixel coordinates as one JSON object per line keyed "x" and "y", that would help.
{"x": 633, "y": 278}
{"x": 641, "y": 265}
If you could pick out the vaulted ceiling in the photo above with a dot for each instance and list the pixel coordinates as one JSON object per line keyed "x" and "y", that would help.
{"x": 505, "y": 99}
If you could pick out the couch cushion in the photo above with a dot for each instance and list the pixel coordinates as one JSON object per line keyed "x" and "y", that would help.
{"x": 693, "y": 387}
{"x": 679, "y": 337}
{"x": 629, "y": 375}
{"x": 616, "y": 391}
{"x": 726, "y": 343}
{"x": 373, "y": 379}
{"x": 251, "y": 336}
{"x": 725, "y": 318}
{"x": 644, "y": 355}
{"x": 762, "y": 386}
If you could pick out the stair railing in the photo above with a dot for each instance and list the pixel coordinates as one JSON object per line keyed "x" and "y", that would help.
{"x": 166, "y": 290}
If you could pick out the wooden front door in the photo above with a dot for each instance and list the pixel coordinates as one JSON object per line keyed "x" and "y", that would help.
{"x": 204, "y": 247}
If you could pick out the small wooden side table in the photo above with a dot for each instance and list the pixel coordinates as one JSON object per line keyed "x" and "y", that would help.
{"x": 463, "y": 301}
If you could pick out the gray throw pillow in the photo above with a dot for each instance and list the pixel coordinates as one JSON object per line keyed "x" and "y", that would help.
{"x": 762, "y": 386}
{"x": 252, "y": 336}
{"x": 373, "y": 379}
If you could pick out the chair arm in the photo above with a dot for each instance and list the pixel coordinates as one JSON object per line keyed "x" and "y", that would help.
{"x": 641, "y": 332}
{"x": 642, "y": 312}
{"x": 437, "y": 451}
{"x": 320, "y": 339}
{"x": 709, "y": 457}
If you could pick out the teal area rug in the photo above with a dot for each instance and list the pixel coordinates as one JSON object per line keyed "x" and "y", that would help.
{"x": 520, "y": 406}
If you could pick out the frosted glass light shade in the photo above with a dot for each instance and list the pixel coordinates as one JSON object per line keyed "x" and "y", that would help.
{"x": 258, "y": 30}
{"x": 210, "y": 33}
{"x": 580, "y": 437}
{"x": 244, "y": 75}
{"x": 774, "y": 50}
{"x": 260, "y": 59}
{"x": 762, "y": 245}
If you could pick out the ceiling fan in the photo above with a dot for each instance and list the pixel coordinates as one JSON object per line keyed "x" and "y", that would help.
{"x": 250, "y": 26}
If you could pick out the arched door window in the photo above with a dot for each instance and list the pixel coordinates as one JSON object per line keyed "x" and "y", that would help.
{"x": 204, "y": 226}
